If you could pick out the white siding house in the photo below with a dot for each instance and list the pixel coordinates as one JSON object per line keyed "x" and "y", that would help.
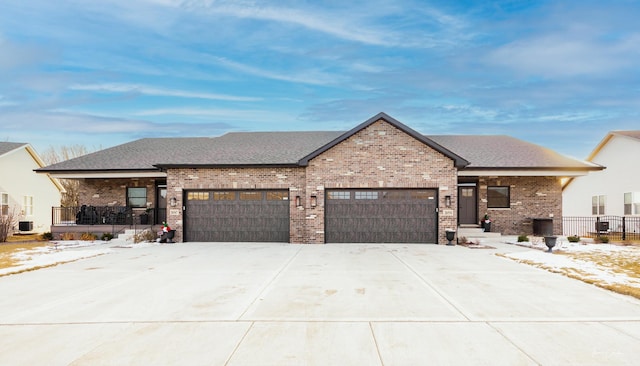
{"x": 614, "y": 191}
{"x": 22, "y": 190}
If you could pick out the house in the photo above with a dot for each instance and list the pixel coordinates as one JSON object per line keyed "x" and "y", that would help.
{"x": 614, "y": 191}
{"x": 29, "y": 195}
{"x": 378, "y": 182}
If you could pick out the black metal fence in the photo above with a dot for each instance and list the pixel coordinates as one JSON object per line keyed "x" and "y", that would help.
{"x": 618, "y": 227}
{"x": 106, "y": 215}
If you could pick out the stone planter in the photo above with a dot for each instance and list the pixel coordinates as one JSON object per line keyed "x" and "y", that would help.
{"x": 550, "y": 242}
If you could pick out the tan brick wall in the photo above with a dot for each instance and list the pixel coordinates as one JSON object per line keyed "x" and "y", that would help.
{"x": 113, "y": 192}
{"x": 180, "y": 180}
{"x": 531, "y": 197}
{"x": 379, "y": 156}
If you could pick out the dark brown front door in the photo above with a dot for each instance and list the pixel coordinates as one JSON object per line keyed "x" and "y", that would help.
{"x": 467, "y": 209}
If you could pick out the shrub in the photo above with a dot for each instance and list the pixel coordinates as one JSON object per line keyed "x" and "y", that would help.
{"x": 67, "y": 236}
{"x": 47, "y": 236}
{"x": 7, "y": 224}
{"x": 604, "y": 239}
{"x": 106, "y": 236}
{"x": 573, "y": 238}
{"x": 88, "y": 236}
{"x": 522, "y": 238}
{"x": 144, "y": 236}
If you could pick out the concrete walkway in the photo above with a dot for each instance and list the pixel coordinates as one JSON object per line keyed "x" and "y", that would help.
{"x": 281, "y": 304}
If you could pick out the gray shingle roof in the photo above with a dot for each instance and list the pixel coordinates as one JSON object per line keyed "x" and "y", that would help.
{"x": 5, "y": 147}
{"x": 503, "y": 152}
{"x": 288, "y": 148}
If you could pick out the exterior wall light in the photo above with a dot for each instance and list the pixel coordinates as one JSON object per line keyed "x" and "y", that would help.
{"x": 298, "y": 203}
{"x": 314, "y": 201}
{"x": 173, "y": 202}
{"x": 447, "y": 201}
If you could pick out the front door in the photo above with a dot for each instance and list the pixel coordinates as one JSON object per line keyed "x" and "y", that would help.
{"x": 161, "y": 203}
{"x": 467, "y": 205}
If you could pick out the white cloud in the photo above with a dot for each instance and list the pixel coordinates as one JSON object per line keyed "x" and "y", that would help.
{"x": 148, "y": 90}
{"x": 314, "y": 77}
{"x": 575, "y": 51}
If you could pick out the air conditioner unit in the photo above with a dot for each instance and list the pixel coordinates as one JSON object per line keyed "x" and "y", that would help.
{"x": 25, "y": 225}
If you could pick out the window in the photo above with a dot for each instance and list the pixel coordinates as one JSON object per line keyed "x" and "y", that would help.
{"x": 220, "y": 196}
{"x": 339, "y": 195}
{"x": 4, "y": 203}
{"x": 598, "y": 204}
{"x": 250, "y": 196}
{"x": 367, "y": 195}
{"x": 498, "y": 197}
{"x": 632, "y": 203}
{"x": 27, "y": 205}
{"x": 277, "y": 196}
{"x": 198, "y": 196}
{"x": 136, "y": 197}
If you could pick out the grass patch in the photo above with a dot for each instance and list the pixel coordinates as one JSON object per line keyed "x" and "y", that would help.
{"x": 616, "y": 262}
{"x": 7, "y": 250}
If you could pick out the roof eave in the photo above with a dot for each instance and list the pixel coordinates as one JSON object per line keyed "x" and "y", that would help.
{"x": 164, "y": 167}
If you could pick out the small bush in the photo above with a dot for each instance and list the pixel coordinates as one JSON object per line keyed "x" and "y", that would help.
{"x": 604, "y": 239}
{"x": 88, "y": 236}
{"x": 573, "y": 238}
{"x": 106, "y": 236}
{"x": 67, "y": 236}
{"x": 47, "y": 236}
{"x": 522, "y": 238}
{"x": 144, "y": 236}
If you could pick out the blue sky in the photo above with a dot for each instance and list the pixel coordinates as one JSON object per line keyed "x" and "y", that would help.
{"x": 100, "y": 73}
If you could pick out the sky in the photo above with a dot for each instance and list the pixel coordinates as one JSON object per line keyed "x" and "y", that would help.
{"x": 100, "y": 73}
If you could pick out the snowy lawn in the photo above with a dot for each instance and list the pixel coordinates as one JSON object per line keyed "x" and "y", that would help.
{"x": 611, "y": 266}
{"x": 21, "y": 257}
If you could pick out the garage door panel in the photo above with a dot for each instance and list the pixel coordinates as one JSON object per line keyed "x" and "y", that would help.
{"x": 237, "y": 216}
{"x": 381, "y": 216}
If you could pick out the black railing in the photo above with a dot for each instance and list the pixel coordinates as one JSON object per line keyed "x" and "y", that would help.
{"x": 618, "y": 227}
{"x": 106, "y": 215}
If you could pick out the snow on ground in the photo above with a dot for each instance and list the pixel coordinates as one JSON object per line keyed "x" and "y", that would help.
{"x": 602, "y": 264}
{"x": 55, "y": 253}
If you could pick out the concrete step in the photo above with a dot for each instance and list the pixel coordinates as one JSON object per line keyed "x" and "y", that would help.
{"x": 476, "y": 232}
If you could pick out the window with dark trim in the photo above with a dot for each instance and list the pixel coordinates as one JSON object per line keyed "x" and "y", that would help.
{"x": 498, "y": 197}
{"x": 137, "y": 197}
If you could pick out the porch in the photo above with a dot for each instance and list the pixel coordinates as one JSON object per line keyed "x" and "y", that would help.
{"x": 104, "y": 219}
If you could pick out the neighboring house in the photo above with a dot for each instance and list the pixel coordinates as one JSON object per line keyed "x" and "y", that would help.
{"x": 379, "y": 182}
{"x": 614, "y": 191}
{"x": 31, "y": 196}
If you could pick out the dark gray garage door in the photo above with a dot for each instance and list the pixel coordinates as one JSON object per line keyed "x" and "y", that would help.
{"x": 381, "y": 216}
{"x": 237, "y": 216}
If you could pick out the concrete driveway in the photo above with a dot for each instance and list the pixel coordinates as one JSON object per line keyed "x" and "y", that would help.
{"x": 282, "y": 304}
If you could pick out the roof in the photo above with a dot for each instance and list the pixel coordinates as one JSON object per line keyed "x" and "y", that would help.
{"x": 6, "y": 147}
{"x": 634, "y": 134}
{"x": 506, "y": 152}
{"x": 298, "y": 148}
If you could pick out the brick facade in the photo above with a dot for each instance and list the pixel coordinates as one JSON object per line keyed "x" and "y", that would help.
{"x": 179, "y": 180}
{"x": 378, "y": 156}
{"x": 531, "y": 197}
{"x": 113, "y": 192}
